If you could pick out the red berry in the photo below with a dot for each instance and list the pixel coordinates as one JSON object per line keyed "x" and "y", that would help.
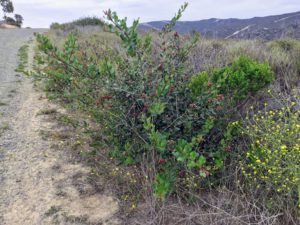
{"x": 162, "y": 161}
{"x": 181, "y": 174}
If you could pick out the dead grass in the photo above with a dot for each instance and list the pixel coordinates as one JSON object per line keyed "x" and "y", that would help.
{"x": 219, "y": 208}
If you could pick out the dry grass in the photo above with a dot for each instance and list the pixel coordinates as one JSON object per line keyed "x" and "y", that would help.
{"x": 219, "y": 208}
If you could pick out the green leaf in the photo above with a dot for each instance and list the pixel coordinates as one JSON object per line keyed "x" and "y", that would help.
{"x": 218, "y": 162}
{"x": 129, "y": 161}
{"x": 193, "y": 155}
{"x": 159, "y": 141}
{"x": 157, "y": 108}
{"x": 180, "y": 159}
{"x": 191, "y": 164}
{"x": 163, "y": 184}
{"x": 148, "y": 124}
{"x": 202, "y": 174}
{"x": 201, "y": 161}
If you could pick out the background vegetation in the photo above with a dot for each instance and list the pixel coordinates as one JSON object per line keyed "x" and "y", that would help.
{"x": 82, "y": 25}
{"x": 8, "y": 8}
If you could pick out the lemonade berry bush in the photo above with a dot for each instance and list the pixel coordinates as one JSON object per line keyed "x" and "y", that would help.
{"x": 154, "y": 111}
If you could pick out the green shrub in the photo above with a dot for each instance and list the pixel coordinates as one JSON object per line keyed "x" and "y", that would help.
{"x": 78, "y": 24}
{"x": 153, "y": 110}
{"x": 199, "y": 84}
{"x": 55, "y": 26}
{"x": 88, "y": 21}
{"x": 23, "y": 58}
{"x": 243, "y": 77}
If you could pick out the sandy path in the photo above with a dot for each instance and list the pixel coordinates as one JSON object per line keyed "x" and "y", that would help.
{"x": 39, "y": 183}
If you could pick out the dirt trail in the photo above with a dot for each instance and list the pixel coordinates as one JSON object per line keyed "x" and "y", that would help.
{"x": 39, "y": 183}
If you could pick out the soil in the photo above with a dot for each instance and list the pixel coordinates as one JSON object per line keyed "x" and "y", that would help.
{"x": 8, "y": 26}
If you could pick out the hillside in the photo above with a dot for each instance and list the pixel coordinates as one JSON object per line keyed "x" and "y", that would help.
{"x": 5, "y": 25}
{"x": 269, "y": 27}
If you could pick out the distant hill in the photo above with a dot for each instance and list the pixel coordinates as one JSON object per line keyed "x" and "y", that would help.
{"x": 269, "y": 27}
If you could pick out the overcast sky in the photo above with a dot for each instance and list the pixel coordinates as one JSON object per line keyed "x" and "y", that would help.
{"x": 41, "y": 13}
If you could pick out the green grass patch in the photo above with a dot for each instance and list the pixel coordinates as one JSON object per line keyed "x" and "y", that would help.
{"x": 66, "y": 120}
{"x": 23, "y": 58}
{"x": 3, "y": 127}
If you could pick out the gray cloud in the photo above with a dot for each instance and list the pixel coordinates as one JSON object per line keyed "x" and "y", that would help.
{"x": 41, "y": 13}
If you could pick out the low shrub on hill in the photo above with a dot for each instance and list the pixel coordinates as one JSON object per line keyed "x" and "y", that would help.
{"x": 84, "y": 24}
{"x": 86, "y": 21}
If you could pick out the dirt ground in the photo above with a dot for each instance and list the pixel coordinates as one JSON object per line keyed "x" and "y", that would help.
{"x": 40, "y": 183}
{"x": 8, "y": 26}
